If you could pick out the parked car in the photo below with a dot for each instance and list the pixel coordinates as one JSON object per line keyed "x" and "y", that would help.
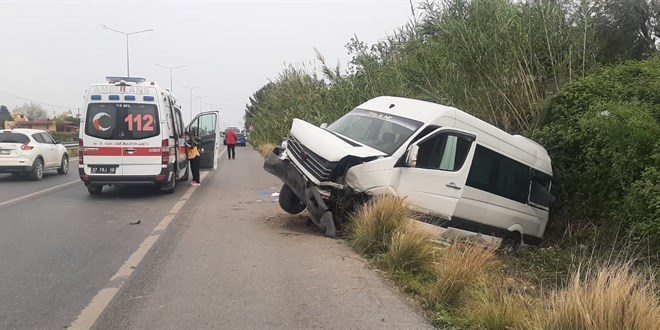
{"x": 30, "y": 151}
{"x": 452, "y": 168}
{"x": 240, "y": 140}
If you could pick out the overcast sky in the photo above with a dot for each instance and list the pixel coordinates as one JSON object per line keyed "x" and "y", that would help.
{"x": 51, "y": 51}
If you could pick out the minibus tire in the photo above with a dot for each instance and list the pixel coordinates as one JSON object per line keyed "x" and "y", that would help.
{"x": 289, "y": 202}
{"x": 509, "y": 245}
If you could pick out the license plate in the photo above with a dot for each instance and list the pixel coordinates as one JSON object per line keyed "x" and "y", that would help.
{"x": 5, "y": 151}
{"x": 103, "y": 169}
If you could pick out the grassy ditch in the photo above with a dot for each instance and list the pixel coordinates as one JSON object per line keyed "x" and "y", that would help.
{"x": 469, "y": 286}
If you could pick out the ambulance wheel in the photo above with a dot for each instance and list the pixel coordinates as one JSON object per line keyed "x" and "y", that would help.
{"x": 168, "y": 188}
{"x": 289, "y": 202}
{"x": 185, "y": 176}
{"x": 94, "y": 189}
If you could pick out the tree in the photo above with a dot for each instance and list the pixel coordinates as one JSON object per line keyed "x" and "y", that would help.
{"x": 4, "y": 111}
{"x": 66, "y": 117}
{"x": 32, "y": 111}
{"x": 626, "y": 29}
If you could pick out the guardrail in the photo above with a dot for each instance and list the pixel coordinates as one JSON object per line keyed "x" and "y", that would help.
{"x": 70, "y": 144}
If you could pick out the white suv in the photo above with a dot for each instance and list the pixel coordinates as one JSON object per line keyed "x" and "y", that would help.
{"x": 31, "y": 152}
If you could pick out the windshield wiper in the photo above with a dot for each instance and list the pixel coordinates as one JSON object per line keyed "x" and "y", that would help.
{"x": 344, "y": 138}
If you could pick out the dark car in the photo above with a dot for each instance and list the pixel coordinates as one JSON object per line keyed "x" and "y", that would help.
{"x": 240, "y": 140}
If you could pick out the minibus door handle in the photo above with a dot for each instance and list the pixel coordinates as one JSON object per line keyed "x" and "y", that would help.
{"x": 453, "y": 186}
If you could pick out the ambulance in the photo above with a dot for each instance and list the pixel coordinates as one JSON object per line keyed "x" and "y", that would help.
{"x": 132, "y": 133}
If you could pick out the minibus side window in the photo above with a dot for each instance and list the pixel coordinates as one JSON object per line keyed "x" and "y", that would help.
{"x": 500, "y": 175}
{"x": 513, "y": 180}
{"x": 445, "y": 152}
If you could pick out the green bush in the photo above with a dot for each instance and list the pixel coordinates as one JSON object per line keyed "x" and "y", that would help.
{"x": 602, "y": 134}
{"x": 64, "y": 137}
{"x": 641, "y": 212}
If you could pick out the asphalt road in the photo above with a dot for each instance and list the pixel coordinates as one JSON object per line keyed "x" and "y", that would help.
{"x": 230, "y": 258}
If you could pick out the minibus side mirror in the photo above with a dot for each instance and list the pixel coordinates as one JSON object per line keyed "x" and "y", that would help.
{"x": 411, "y": 158}
{"x": 541, "y": 196}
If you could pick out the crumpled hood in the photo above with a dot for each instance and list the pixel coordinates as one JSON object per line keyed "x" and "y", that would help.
{"x": 328, "y": 145}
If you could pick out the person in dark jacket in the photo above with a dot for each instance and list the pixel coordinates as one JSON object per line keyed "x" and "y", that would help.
{"x": 231, "y": 143}
{"x": 192, "y": 151}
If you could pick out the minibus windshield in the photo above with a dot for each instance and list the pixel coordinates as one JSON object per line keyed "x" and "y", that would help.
{"x": 380, "y": 131}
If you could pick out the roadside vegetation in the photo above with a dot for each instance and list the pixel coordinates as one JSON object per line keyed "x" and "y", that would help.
{"x": 579, "y": 77}
{"x": 465, "y": 285}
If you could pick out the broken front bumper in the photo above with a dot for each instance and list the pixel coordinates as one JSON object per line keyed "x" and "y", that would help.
{"x": 307, "y": 192}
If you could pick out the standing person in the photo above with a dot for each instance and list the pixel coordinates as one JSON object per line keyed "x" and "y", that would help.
{"x": 194, "y": 157}
{"x": 231, "y": 143}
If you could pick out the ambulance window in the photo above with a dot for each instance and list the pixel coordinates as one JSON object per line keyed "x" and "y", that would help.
{"x": 101, "y": 121}
{"x": 207, "y": 124}
{"x": 122, "y": 121}
{"x": 140, "y": 121}
{"x": 177, "y": 121}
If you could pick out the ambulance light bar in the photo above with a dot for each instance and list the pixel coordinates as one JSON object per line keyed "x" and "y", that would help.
{"x": 112, "y": 80}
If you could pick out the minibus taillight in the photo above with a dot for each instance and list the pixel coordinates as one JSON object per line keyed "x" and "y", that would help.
{"x": 81, "y": 160}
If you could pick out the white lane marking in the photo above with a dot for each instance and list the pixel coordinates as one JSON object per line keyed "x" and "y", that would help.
{"x": 100, "y": 302}
{"x": 39, "y": 193}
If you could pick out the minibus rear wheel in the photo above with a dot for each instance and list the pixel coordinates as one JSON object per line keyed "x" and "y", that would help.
{"x": 510, "y": 244}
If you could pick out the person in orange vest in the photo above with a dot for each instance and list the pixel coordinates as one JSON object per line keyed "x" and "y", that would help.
{"x": 231, "y": 144}
{"x": 194, "y": 157}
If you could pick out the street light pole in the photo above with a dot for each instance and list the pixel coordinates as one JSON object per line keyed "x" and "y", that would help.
{"x": 191, "y": 98}
{"x": 128, "y": 66}
{"x": 171, "y": 68}
{"x": 213, "y": 105}
{"x": 200, "y": 101}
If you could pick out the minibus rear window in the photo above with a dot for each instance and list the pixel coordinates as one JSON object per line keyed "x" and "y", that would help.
{"x": 122, "y": 121}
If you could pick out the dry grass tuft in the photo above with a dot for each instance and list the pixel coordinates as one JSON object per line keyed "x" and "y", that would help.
{"x": 265, "y": 149}
{"x": 373, "y": 225}
{"x": 459, "y": 268}
{"x": 410, "y": 251}
{"x": 611, "y": 297}
{"x": 497, "y": 308}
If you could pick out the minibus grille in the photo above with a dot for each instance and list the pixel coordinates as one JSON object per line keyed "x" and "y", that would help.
{"x": 315, "y": 164}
